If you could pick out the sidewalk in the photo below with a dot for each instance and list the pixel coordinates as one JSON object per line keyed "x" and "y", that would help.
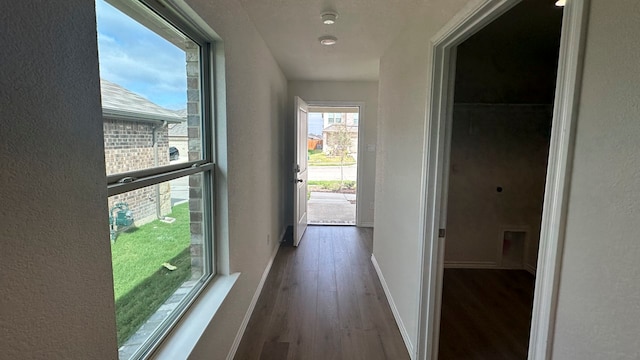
{"x": 331, "y": 208}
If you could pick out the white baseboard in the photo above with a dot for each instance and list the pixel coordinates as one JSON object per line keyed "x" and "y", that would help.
{"x": 252, "y": 305}
{"x": 394, "y": 310}
{"x": 470, "y": 265}
{"x": 485, "y": 265}
{"x": 530, "y": 268}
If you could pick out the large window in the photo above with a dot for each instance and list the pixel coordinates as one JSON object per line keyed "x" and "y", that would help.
{"x": 157, "y": 118}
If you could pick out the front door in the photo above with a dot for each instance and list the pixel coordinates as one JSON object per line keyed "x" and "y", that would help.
{"x": 300, "y": 173}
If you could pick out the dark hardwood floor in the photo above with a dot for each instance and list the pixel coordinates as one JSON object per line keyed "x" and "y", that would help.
{"x": 323, "y": 300}
{"x": 486, "y": 314}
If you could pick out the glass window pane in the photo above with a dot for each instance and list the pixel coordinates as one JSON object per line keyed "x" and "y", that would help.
{"x": 151, "y": 84}
{"x": 158, "y": 255}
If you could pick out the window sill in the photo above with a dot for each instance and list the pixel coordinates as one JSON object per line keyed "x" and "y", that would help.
{"x": 185, "y": 335}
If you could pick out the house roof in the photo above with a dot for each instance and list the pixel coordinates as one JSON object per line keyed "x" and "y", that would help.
{"x": 334, "y": 128}
{"x": 122, "y": 104}
{"x": 179, "y": 129}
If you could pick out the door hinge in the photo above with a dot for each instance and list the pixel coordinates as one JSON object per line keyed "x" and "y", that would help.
{"x": 442, "y": 233}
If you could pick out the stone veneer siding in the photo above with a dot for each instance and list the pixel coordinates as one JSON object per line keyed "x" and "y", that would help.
{"x": 129, "y": 146}
{"x": 195, "y": 153}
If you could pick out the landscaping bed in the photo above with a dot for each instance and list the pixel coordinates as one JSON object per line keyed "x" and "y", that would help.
{"x": 348, "y": 186}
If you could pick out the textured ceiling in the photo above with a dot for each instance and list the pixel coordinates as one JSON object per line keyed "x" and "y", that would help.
{"x": 365, "y": 28}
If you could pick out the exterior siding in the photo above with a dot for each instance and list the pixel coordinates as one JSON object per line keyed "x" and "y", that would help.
{"x": 127, "y": 140}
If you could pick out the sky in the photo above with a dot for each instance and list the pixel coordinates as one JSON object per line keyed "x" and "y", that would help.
{"x": 139, "y": 60}
{"x": 315, "y": 123}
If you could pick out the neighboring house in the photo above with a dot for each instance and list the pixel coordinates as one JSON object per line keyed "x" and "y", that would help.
{"x": 179, "y": 136}
{"x": 139, "y": 132}
{"x": 335, "y": 123}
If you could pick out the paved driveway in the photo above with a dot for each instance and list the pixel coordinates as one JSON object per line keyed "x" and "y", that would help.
{"x": 179, "y": 190}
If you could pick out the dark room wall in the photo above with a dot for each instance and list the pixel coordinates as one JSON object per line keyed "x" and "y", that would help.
{"x": 513, "y": 59}
{"x": 505, "y": 81}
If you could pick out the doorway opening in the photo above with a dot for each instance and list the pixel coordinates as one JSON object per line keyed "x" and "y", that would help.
{"x": 332, "y": 147}
{"x": 437, "y": 170}
{"x": 498, "y": 133}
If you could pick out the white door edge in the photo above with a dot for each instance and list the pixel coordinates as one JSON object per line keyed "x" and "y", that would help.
{"x": 300, "y": 170}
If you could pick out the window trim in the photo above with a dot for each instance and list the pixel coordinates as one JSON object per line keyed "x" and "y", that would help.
{"x": 183, "y": 335}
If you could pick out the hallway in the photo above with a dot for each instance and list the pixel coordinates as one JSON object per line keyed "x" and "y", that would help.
{"x": 323, "y": 300}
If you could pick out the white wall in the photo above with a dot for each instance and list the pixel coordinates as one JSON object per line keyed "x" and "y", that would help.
{"x": 359, "y": 91}
{"x": 599, "y": 305}
{"x": 401, "y": 120}
{"x": 56, "y": 295}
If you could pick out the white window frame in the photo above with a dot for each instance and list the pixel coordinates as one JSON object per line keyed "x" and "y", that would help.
{"x": 216, "y": 281}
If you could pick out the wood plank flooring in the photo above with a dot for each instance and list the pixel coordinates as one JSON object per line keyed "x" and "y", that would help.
{"x": 323, "y": 300}
{"x": 486, "y": 314}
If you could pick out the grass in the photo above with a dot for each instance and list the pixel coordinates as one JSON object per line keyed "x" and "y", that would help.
{"x": 318, "y": 158}
{"x": 332, "y": 185}
{"x": 141, "y": 283}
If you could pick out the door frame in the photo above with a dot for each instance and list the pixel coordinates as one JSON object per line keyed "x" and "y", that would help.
{"x": 435, "y": 172}
{"x": 361, "y": 146}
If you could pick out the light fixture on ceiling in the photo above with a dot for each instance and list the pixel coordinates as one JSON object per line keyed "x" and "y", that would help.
{"x": 329, "y": 17}
{"x": 561, "y": 2}
{"x": 328, "y": 40}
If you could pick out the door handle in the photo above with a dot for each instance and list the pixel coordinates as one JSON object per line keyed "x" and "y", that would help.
{"x": 300, "y": 180}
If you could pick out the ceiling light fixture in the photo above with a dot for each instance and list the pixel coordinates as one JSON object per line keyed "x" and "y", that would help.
{"x": 328, "y": 40}
{"x": 329, "y": 17}
{"x": 561, "y": 2}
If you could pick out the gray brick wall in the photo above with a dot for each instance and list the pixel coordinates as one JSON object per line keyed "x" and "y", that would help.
{"x": 129, "y": 146}
{"x": 195, "y": 151}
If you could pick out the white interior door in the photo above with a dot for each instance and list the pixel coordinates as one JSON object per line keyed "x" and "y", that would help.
{"x": 300, "y": 170}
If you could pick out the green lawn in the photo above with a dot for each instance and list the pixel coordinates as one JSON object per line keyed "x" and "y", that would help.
{"x": 318, "y": 158}
{"x": 141, "y": 283}
{"x": 333, "y": 185}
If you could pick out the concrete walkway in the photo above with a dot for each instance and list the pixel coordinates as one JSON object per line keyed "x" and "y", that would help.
{"x": 331, "y": 208}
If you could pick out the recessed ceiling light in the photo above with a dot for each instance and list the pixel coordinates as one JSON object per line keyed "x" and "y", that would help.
{"x": 328, "y": 40}
{"x": 561, "y": 2}
{"x": 329, "y": 17}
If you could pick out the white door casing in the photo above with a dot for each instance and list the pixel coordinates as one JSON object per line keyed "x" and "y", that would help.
{"x": 300, "y": 170}
{"x": 434, "y": 177}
